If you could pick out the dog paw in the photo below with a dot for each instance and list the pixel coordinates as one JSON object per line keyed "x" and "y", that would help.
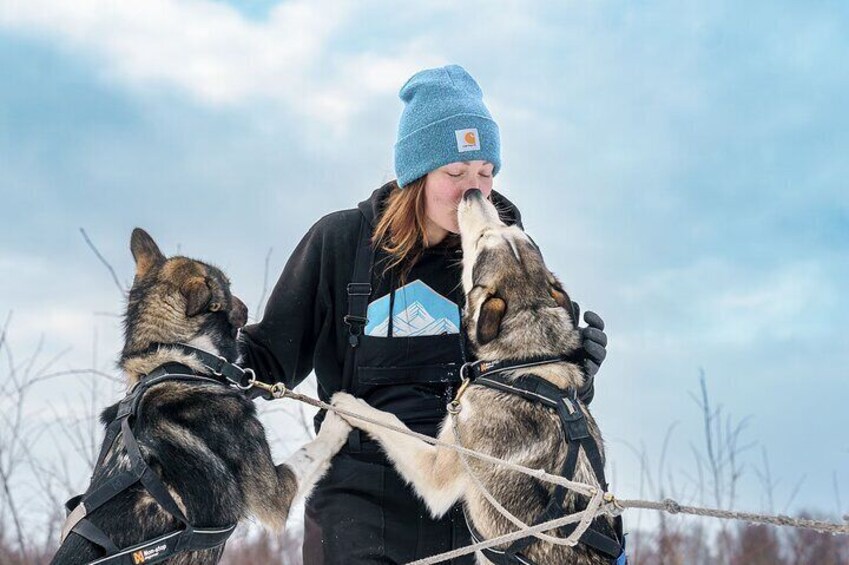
{"x": 335, "y": 429}
{"x": 351, "y": 404}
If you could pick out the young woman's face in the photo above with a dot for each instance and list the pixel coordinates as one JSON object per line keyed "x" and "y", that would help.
{"x": 445, "y": 186}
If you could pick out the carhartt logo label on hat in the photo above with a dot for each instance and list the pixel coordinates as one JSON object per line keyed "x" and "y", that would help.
{"x": 467, "y": 140}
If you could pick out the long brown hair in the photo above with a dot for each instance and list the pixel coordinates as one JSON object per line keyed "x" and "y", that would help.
{"x": 402, "y": 229}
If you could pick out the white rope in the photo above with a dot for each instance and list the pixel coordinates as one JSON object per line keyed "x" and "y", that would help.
{"x": 592, "y": 508}
{"x": 571, "y": 541}
{"x": 540, "y": 474}
{"x": 600, "y": 502}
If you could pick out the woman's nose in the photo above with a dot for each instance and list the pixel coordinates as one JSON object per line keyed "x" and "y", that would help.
{"x": 471, "y": 193}
{"x": 465, "y": 193}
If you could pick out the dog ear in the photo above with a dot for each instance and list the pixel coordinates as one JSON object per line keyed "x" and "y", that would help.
{"x": 489, "y": 319}
{"x": 197, "y": 295}
{"x": 145, "y": 252}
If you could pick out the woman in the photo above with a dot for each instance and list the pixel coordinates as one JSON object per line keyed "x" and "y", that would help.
{"x": 370, "y": 300}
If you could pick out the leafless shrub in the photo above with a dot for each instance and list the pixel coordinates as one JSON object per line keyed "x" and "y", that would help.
{"x": 806, "y": 546}
{"x": 676, "y": 539}
{"x": 263, "y": 547}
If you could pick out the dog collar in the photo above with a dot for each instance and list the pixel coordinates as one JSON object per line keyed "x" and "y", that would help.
{"x": 473, "y": 370}
{"x": 476, "y": 369}
{"x": 232, "y": 374}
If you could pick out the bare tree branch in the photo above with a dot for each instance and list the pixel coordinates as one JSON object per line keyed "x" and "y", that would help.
{"x": 795, "y": 492}
{"x": 105, "y": 262}
{"x": 259, "y": 305}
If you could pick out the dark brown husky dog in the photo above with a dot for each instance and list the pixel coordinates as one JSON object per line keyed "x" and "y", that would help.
{"x": 516, "y": 311}
{"x": 201, "y": 438}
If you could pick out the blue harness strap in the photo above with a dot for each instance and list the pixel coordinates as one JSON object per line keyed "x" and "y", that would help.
{"x": 576, "y": 429}
{"x": 155, "y": 550}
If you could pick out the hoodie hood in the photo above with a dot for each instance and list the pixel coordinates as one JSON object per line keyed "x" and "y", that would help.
{"x": 371, "y": 207}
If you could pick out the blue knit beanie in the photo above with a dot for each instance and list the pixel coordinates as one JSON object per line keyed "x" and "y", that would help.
{"x": 444, "y": 121}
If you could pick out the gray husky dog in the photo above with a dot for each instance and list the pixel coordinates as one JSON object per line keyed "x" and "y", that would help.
{"x": 197, "y": 458}
{"x": 515, "y": 310}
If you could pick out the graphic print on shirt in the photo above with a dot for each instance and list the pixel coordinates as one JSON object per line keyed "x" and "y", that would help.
{"x": 418, "y": 310}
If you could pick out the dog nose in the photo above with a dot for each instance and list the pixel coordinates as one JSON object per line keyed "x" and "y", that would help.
{"x": 472, "y": 193}
{"x": 238, "y": 313}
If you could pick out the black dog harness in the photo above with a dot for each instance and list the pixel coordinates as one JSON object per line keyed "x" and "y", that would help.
{"x": 188, "y": 537}
{"x": 599, "y": 536}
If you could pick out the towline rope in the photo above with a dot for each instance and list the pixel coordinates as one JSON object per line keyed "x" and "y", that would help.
{"x": 600, "y": 502}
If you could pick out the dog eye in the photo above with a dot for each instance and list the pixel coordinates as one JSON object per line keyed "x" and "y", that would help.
{"x": 215, "y": 307}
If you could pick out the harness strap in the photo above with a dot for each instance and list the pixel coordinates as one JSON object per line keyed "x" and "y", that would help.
{"x": 205, "y": 538}
{"x": 597, "y": 540}
{"x": 576, "y": 429}
{"x": 150, "y": 551}
{"x": 92, "y": 533}
{"x": 187, "y": 538}
{"x": 148, "y": 477}
{"x": 555, "y": 504}
{"x": 111, "y": 433}
{"x": 497, "y": 556}
{"x": 108, "y": 490}
{"x": 75, "y": 511}
{"x": 359, "y": 289}
{"x": 607, "y": 545}
{"x": 538, "y": 390}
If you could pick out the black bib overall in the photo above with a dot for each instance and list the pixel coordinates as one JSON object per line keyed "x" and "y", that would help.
{"x": 362, "y": 511}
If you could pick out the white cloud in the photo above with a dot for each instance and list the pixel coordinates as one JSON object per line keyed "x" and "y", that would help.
{"x": 715, "y": 303}
{"x": 298, "y": 57}
{"x": 208, "y": 51}
{"x": 206, "y": 48}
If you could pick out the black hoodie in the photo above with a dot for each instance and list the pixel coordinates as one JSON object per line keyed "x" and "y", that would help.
{"x": 302, "y": 327}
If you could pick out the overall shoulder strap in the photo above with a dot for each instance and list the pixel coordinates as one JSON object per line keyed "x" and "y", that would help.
{"x": 359, "y": 289}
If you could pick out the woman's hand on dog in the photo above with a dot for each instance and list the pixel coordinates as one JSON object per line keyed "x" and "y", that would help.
{"x": 594, "y": 343}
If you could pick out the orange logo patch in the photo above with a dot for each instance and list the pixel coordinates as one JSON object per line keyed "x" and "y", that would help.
{"x": 467, "y": 140}
{"x": 138, "y": 557}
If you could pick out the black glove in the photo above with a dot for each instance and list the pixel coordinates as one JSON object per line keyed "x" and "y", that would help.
{"x": 594, "y": 342}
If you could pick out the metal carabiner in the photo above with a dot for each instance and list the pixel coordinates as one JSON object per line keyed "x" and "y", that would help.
{"x": 277, "y": 390}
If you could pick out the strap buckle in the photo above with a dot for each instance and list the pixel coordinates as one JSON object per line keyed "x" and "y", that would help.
{"x": 350, "y": 319}
{"x": 359, "y": 289}
{"x": 222, "y": 362}
{"x": 573, "y": 420}
{"x": 355, "y": 327}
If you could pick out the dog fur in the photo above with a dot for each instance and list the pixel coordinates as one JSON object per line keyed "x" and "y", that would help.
{"x": 203, "y": 440}
{"x": 515, "y": 308}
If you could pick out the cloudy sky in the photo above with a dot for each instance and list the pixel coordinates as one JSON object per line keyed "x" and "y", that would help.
{"x": 682, "y": 165}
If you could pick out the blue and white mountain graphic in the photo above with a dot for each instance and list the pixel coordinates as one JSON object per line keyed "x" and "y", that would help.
{"x": 418, "y": 310}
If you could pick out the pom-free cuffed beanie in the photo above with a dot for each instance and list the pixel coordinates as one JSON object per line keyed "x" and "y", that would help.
{"x": 444, "y": 121}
